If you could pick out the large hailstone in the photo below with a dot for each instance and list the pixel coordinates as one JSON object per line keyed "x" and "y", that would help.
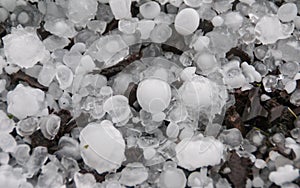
{"x": 102, "y": 146}
{"x": 198, "y": 152}
{"x": 26, "y": 101}
{"x": 23, "y": 47}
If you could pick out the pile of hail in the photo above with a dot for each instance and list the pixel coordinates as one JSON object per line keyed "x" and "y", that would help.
{"x": 149, "y": 93}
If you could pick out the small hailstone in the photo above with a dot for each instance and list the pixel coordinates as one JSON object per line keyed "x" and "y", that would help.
{"x": 26, "y": 101}
{"x": 150, "y": 9}
{"x": 161, "y": 33}
{"x": 206, "y": 62}
{"x": 192, "y": 3}
{"x": 97, "y": 26}
{"x": 47, "y": 74}
{"x": 86, "y": 65}
{"x": 80, "y": 12}
{"x": 53, "y": 42}
{"x": 27, "y": 127}
{"x": 172, "y": 178}
{"x": 7, "y": 124}
{"x": 188, "y": 73}
{"x": 231, "y": 137}
{"x": 128, "y": 26}
{"x": 199, "y": 152}
{"x": 259, "y": 163}
{"x": 258, "y": 182}
{"x": 60, "y": 27}
{"x": 196, "y": 93}
{"x": 145, "y": 27}
{"x": 69, "y": 147}
{"x": 217, "y": 21}
{"x": 118, "y": 108}
{"x": 176, "y": 3}
{"x": 120, "y": 8}
{"x": 3, "y": 14}
{"x": 111, "y": 49}
{"x": 148, "y": 153}
{"x": 233, "y": 76}
{"x": 287, "y": 12}
{"x": 84, "y": 180}
{"x": 187, "y": 21}
{"x": 200, "y": 43}
{"x": 172, "y": 130}
{"x": 102, "y": 146}
{"x": 64, "y": 76}
{"x": 270, "y": 83}
{"x": 269, "y": 29}
{"x": 17, "y": 50}
{"x": 290, "y": 86}
{"x": 290, "y": 68}
{"x": 22, "y": 154}
{"x": 284, "y": 174}
{"x": 49, "y": 126}
{"x": 233, "y": 20}
{"x": 200, "y": 179}
{"x": 7, "y": 142}
{"x": 295, "y": 98}
{"x": 133, "y": 174}
{"x": 250, "y": 73}
{"x": 154, "y": 95}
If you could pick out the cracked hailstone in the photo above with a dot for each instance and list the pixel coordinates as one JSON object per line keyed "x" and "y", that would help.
{"x": 196, "y": 152}
{"x": 269, "y": 29}
{"x": 187, "y": 21}
{"x": 26, "y": 101}
{"x": 154, "y": 95}
{"x": 102, "y": 146}
{"x": 17, "y": 50}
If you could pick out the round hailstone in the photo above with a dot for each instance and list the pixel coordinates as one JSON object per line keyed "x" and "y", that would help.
{"x": 192, "y": 3}
{"x": 196, "y": 152}
{"x": 187, "y": 21}
{"x": 120, "y": 8}
{"x": 172, "y": 178}
{"x": 287, "y": 12}
{"x": 18, "y": 51}
{"x": 7, "y": 125}
{"x": 26, "y": 101}
{"x": 118, "y": 108}
{"x": 154, "y": 95}
{"x": 150, "y": 10}
{"x": 196, "y": 93}
{"x": 64, "y": 76}
{"x": 102, "y": 146}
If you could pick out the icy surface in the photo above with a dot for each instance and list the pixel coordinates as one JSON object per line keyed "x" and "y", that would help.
{"x": 133, "y": 174}
{"x": 17, "y": 50}
{"x": 102, "y": 146}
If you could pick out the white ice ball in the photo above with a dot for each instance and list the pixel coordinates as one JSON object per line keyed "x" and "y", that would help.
{"x": 154, "y": 95}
